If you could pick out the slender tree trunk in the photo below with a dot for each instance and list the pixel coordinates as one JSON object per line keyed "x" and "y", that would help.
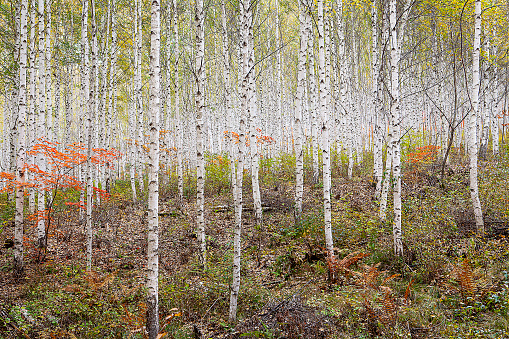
{"x": 178, "y": 117}
{"x": 386, "y": 179}
{"x": 49, "y": 99}
{"x": 133, "y": 149}
{"x": 279, "y": 89}
{"x": 32, "y": 114}
{"x": 85, "y": 95}
{"x": 138, "y": 95}
{"x": 200, "y": 108}
{"x": 21, "y": 157}
{"x": 299, "y": 99}
{"x": 90, "y": 135}
{"x": 377, "y": 131}
{"x": 325, "y": 132}
{"x": 313, "y": 100}
{"x": 153, "y": 180}
{"x": 228, "y": 100}
{"x": 485, "y": 111}
{"x": 494, "y": 119}
{"x": 472, "y": 149}
{"x": 41, "y": 132}
{"x": 245, "y": 26}
{"x": 396, "y": 129}
{"x": 253, "y": 119}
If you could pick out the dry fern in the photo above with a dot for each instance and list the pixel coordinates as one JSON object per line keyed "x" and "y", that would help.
{"x": 466, "y": 279}
{"x": 343, "y": 266}
{"x": 96, "y": 281}
{"x": 379, "y": 300}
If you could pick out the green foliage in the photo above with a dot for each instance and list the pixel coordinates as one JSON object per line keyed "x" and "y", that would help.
{"x": 217, "y": 169}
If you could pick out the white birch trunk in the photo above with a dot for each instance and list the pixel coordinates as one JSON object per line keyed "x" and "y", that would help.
{"x": 396, "y": 128}
{"x": 253, "y": 119}
{"x": 153, "y": 180}
{"x": 21, "y": 156}
{"x": 32, "y": 114}
{"x": 90, "y": 135}
{"x": 299, "y": 99}
{"x": 178, "y": 115}
{"x": 472, "y": 149}
{"x": 377, "y": 131}
{"x": 495, "y": 113}
{"x": 133, "y": 148}
{"x": 138, "y": 95}
{"x": 245, "y": 25}
{"x": 41, "y": 161}
{"x": 313, "y": 100}
{"x": 228, "y": 101}
{"x": 279, "y": 89}
{"x": 325, "y": 132}
{"x": 386, "y": 176}
{"x": 200, "y": 108}
{"x": 49, "y": 99}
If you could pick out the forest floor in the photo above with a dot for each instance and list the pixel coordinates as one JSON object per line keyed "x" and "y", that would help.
{"x": 449, "y": 284}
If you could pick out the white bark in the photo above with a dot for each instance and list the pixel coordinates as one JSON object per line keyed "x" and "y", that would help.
{"x": 32, "y": 114}
{"x": 485, "y": 111}
{"x": 313, "y": 100}
{"x": 495, "y": 113}
{"x": 299, "y": 99}
{"x": 245, "y": 26}
{"x": 200, "y": 108}
{"x": 21, "y": 156}
{"x": 47, "y": 51}
{"x": 153, "y": 180}
{"x": 253, "y": 119}
{"x": 396, "y": 128}
{"x": 41, "y": 132}
{"x": 138, "y": 95}
{"x": 113, "y": 77}
{"x": 472, "y": 149}
{"x": 178, "y": 117}
{"x": 322, "y": 31}
{"x": 132, "y": 156}
{"x": 279, "y": 89}
{"x": 377, "y": 131}
{"x": 90, "y": 134}
{"x": 228, "y": 100}
{"x": 386, "y": 175}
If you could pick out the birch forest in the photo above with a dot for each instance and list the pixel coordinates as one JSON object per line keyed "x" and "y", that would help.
{"x": 254, "y": 169}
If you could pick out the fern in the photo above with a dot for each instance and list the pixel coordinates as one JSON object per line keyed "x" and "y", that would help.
{"x": 343, "y": 266}
{"x": 466, "y": 279}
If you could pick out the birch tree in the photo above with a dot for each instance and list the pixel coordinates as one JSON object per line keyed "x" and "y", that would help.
{"x": 32, "y": 112}
{"x": 179, "y": 131}
{"x": 375, "y": 76}
{"x": 138, "y": 94}
{"x": 228, "y": 99}
{"x": 325, "y": 132}
{"x": 21, "y": 156}
{"x": 245, "y": 25}
{"x": 153, "y": 180}
{"x": 299, "y": 98}
{"x": 85, "y": 94}
{"x": 313, "y": 100}
{"x": 90, "y": 134}
{"x": 41, "y": 130}
{"x": 396, "y": 128}
{"x": 199, "y": 20}
{"x": 472, "y": 149}
{"x": 253, "y": 117}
